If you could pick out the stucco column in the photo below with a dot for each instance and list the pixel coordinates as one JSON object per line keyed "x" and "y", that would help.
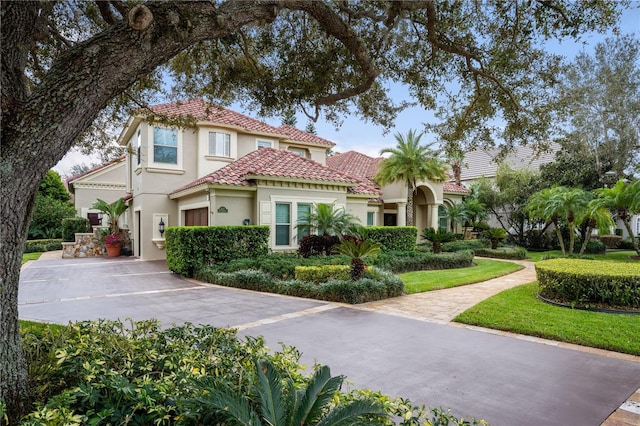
{"x": 402, "y": 214}
{"x": 434, "y": 216}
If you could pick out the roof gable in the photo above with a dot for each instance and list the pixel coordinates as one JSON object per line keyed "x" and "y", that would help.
{"x": 205, "y": 111}
{"x": 301, "y": 136}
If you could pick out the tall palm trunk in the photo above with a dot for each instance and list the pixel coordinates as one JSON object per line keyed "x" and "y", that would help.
{"x": 559, "y": 234}
{"x": 409, "y": 212}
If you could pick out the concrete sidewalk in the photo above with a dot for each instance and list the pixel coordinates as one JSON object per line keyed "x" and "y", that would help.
{"x": 442, "y": 306}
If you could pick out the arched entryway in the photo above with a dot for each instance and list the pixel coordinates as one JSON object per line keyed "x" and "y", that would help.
{"x": 425, "y": 208}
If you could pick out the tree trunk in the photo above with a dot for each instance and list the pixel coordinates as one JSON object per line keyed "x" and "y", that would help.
{"x": 39, "y": 127}
{"x": 634, "y": 240}
{"x": 409, "y": 212}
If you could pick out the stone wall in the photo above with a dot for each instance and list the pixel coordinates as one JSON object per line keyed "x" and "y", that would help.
{"x": 85, "y": 245}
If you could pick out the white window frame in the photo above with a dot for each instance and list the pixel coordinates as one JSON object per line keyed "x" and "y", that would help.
{"x": 373, "y": 218}
{"x": 270, "y": 217}
{"x": 288, "y": 225}
{"x": 151, "y": 150}
{"x": 221, "y": 146}
{"x": 298, "y": 151}
{"x": 261, "y": 143}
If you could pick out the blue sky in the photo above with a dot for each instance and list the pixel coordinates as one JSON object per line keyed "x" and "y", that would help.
{"x": 357, "y": 135}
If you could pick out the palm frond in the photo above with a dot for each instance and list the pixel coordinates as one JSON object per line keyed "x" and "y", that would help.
{"x": 317, "y": 396}
{"x": 270, "y": 390}
{"x": 360, "y": 412}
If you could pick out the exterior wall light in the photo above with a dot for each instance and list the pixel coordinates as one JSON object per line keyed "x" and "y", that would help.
{"x": 161, "y": 228}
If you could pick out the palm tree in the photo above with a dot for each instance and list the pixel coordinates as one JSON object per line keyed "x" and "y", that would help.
{"x": 277, "y": 403}
{"x": 495, "y": 235}
{"x": 540, "y": 207}
{"x": 113, "y": 210}
{"x": 409, "y": 162}
{"x": 357, "y": 250}
{"x": 623, "y": 199}
{"x": 597, "y": 218}
{"x": 326, "y": 219}
{"x": 437, "y": 237}
{"x": 455, "y": 213}
{"x": 560, "y": 203}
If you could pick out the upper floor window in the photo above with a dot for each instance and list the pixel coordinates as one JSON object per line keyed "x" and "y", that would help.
{"x": 264, "y": 144}
{"x": 219, "y": 144}
{"x": 138, "y": 148}
{"x": 165, "y": 145}
{"x": 299, "y": 152}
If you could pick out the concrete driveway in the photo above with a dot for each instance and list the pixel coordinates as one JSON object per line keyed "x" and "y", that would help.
{"x": 503, "y": 380}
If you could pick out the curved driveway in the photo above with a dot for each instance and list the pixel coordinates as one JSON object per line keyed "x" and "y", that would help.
{"x": 504, "y": 380}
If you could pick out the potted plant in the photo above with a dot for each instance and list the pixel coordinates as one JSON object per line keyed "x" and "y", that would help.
{"x": 111, "y": 237}
{"x": 113, "y": 244}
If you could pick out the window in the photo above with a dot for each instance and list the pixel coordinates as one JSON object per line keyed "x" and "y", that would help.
{"x": 165, "y": 145}
{"x": 219, "y": 144}
{"x": 264, "y": 144}
{"x": 298, "y": 152}
{"x": 138, "y": 143}
{"x": 304, "y": 210}
{"x": 443, "y": 221}
{"x": 283, "y": 224}
{"x": 638, "y": 225}
{"x": 371, "y": 218}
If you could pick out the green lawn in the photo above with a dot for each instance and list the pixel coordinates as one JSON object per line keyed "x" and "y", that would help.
{"x": 420, "y": 281}
{"x": 30, "y": 256}
{"x": 616, "y": 256}
{"x": 519, "y": 311}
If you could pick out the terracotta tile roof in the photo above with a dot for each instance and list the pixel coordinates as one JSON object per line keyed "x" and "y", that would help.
{"x": 355, "y": 164}
{"x": 269, "y": 162}
{"x": 302, "y": 136}
{"x": 205, "y": 111}
{"x": 452, "y": 187}
{"x": 71, "y": 179}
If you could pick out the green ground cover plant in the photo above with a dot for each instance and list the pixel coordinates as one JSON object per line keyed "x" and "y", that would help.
{"x": 518, "y": 310}
{"x": 485, "y": 269}
{"x": 113, "y": 372}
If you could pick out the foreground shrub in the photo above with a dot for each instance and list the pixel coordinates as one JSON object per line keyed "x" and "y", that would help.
{"x": 375, "y": 285}
{"x": 321, "y": 274}
{"x": 109, "y": 372}
{"x": 279, "y": 265}
{"x": 589, "y": 283}
{"x": 190, "y": 248}
{"x": 419, "y": 261}
{"x": 502, "y": 253}
{"x": 317, "y": 245}
{"x": 593, "y": 247}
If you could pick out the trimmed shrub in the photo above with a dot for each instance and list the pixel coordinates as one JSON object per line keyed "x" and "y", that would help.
{"x": 398, "y": 262}
{"x": 626, "y": 244}
{"x": 321, "y": 274}
{"x": 392, "y": 238}
{"x": 36, "y": 246}
{"x": 593, "y": 247}
{"x": 465, "y": 245}
{"x": 610, "y": 241}
{"x": 71, "y": 225}
{"x": 279, "y": 265}
{"x": 190, "y": 248}
{"x": 375, "y": 285}
{"x": 503, "y": 253}
{"x": 317, "y": 245}
{"x": 589, "y": 283}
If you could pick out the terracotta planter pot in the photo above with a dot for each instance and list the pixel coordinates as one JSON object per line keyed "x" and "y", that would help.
{"x": 113, "y": 250}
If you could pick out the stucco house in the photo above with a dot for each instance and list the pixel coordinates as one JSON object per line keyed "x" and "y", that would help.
{"x": 221, "y": 167}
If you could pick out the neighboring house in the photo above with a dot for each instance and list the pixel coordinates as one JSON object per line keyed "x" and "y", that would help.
{"x": 225, "y": 168}
{"x": 483, "y": 163}
{"x": 429, "y": 198}
{"x": 106, "y": 182}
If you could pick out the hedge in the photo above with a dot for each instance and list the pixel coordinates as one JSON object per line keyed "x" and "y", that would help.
{"x": 589, "y": 283}
{"x": 502, "y": 253}
{"x": 321, "y": 274}
{"x": 376, "y": 285}
{"x": 279, "y": 265}
{"x": 190, "y": 248}
{"x": 460, "y": 245}
{"x": 392, "y": 238}
{"x": 36, "y": 246}
{"x": 73, "y": 225}
{"x": 418, "y": 261}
